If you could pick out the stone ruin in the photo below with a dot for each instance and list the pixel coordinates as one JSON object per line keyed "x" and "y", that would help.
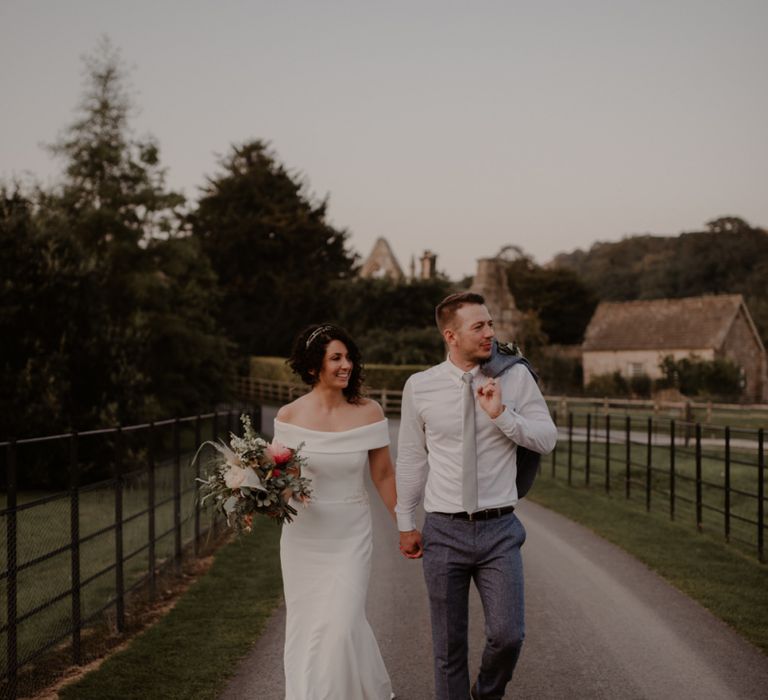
{"x": 491, "y": 281}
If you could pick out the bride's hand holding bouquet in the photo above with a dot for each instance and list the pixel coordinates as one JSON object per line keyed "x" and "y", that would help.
{"x": 253, "y": 477}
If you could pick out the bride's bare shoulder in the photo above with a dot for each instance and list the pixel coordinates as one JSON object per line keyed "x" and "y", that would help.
{"x": 288, "y": 413}
{"x": 372, "y": 410}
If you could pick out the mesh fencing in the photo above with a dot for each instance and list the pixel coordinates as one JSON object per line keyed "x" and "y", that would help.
{"x": 71, "y": 559}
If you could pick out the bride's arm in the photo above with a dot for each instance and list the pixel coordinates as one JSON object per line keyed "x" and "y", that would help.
{"x": 383, "y": 476}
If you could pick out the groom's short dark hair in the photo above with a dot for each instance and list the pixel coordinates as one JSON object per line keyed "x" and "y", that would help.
{"x": 447, "y": 308}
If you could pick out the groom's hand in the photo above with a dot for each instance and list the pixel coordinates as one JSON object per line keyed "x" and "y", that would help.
{"x": 410, "y": 544}
{"x": 489, "y": 398}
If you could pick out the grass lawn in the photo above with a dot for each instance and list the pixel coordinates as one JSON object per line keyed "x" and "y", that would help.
{"x": 743, "y": 501}
{"x": 45, "y": 528}
{"x": 729, "y": 583}
{"x": 191, "y": 652}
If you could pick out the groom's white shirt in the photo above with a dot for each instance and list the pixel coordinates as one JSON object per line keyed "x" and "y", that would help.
{"x": 429, "y": 443}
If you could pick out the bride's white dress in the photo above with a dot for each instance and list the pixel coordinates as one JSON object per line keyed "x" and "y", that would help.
{"x": 330, "y": 650}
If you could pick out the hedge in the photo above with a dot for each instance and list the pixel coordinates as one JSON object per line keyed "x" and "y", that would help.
{"x": 376, "y": 376}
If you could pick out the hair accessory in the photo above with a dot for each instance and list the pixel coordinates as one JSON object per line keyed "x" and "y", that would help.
{"x": 315, "y": 333}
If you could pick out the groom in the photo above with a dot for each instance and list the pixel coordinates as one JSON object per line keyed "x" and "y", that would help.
{"x": 459, "y": 432}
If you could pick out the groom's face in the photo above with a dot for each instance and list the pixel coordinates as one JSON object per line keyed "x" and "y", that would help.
{"x": 471, "y": 333}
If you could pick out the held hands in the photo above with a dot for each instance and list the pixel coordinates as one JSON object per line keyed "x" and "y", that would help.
{"x": 410, "y": 544}
{"x": 489, "y": 398}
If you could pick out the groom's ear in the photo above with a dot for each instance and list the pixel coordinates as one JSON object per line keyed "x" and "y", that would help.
{"x": 449, "y": 336}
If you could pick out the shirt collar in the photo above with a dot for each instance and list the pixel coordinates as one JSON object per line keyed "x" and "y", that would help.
{"x": 456, "y": 373}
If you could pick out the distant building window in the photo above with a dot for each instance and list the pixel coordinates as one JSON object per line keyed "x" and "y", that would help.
{"x": 636, "y": 369}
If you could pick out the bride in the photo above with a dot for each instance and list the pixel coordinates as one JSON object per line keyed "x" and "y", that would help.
{"x": 330, "y": 650}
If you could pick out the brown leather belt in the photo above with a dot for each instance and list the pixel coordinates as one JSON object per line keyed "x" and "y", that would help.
{"x": 485, "y": 514}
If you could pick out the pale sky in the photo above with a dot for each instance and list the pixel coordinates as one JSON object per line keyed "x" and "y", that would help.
{"x": 455, "y": 126}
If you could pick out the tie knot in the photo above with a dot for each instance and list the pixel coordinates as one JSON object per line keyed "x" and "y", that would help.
{"x": 467, "y": 377}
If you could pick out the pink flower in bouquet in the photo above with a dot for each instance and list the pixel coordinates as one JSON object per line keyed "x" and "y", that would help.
{"x": 279, "y": 453}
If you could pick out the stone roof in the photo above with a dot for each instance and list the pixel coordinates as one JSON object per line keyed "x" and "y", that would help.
{"x": 694, "y": 323}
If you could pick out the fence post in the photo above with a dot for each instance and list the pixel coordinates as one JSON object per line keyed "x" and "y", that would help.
{"x": 607, "y": 452}
{"x": 151, "y": 508}
{"x": 628, "y": 453}
{"x": 11, "y": 610}
{"x": 760, "y": 493}
{"x": 587, "y": 463}
{"x": 698, "y": 478}
{"x": 648, "y": 465}
{"x": 177, "y": 494}
{"x": 554, "y": 452}
{"x": 214, "y": 437}
{"x": 119, "y": 573}
{"x": 197, "y": 475}
{"x": 74, "y": 538}
{"x": 727, "y": 486}
{"x": 672, "y": 469}
{"x": 570, "y": 447}
{"x": 257, "y": 417}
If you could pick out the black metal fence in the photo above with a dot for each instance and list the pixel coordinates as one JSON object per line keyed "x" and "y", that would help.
{"x": 73, "y": 557}
{"x": 712, "y": 476}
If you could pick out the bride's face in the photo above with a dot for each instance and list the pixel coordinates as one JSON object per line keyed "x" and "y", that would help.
{"x": 337, "y": 367}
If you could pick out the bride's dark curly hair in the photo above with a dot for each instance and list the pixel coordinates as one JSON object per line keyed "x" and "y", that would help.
{"x": 308, "y": 352}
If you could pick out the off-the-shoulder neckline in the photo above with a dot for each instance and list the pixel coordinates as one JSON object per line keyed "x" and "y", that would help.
{"x": 331, "y": 432}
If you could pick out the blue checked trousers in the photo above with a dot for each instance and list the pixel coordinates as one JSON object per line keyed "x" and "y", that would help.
{"x": 488, "y": 553}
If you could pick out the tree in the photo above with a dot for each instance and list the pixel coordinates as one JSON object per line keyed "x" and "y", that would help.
{"x": 394, "y": 322}
{"x": 364, "y": 304}
{"x": 718, "y": 378}
{"x": 47, "y": 288}
{"x": 728, "y": 224}
{"x": 730, "y": 257}
{"x": 113, "y": 184}
{"x": 562, "y": 302}
{"x": 275, "y": 254}
{"x": 110, "y": 312}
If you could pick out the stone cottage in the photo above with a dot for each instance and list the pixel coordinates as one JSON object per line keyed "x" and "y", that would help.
{"x": 633, "y": 337}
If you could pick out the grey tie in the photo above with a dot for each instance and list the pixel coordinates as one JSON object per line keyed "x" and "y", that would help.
{"x": 469, "y": 450}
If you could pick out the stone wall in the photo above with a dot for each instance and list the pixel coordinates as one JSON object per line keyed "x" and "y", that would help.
{"x": 742, "y": 347}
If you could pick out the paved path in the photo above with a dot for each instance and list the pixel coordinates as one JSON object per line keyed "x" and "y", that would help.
{"x": 658, "y": 439}
{"x": 599, "y": 625}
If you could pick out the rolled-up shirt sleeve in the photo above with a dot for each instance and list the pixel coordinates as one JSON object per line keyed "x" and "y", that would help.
{"x": 525, "y": 419}
{"x": 411, "y": 469}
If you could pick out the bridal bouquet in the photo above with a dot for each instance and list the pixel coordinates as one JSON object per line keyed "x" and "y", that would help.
{"x": 251, "y": 476}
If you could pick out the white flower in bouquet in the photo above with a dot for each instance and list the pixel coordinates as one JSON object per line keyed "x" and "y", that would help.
{"x": 250, "y": 476}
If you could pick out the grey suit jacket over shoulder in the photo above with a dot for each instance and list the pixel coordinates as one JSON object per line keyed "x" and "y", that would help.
{"x": 504, "y": 356}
